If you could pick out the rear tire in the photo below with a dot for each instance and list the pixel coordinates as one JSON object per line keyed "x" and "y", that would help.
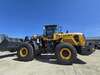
{"x": 25, "y": 52}
{"x": 63, "y": 59}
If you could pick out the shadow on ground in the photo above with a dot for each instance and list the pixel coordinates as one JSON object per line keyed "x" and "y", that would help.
{"x": 51, "y": 59}
{"x": 7, "y": 55}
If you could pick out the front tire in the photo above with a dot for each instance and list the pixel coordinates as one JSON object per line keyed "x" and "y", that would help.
{"x": 25, "y": 52}
{"x": 65, "y": 53}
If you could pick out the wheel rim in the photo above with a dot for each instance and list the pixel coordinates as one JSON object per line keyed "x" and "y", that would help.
{"x": 23, "y": 52}
{"x": 65, "y": 53}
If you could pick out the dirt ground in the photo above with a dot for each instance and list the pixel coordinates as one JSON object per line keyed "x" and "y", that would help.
{"x": 46, "y": 65}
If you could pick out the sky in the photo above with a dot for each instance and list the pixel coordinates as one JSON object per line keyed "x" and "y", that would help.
{"x": 19, "y": 18}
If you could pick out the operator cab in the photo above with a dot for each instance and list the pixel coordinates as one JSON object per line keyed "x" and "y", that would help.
{"x": 49, "y": 30}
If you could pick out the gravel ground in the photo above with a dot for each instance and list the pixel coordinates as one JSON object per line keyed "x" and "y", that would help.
{"x": 85, "y": 65}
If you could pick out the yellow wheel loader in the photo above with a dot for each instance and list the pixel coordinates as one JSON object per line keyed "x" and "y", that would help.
{"x": 65, "y": 46}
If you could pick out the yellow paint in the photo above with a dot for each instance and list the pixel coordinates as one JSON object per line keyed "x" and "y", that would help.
{"x": 23, "y": 52}
{"x": 69, "y": 38}
{"x": 63, "y": 57}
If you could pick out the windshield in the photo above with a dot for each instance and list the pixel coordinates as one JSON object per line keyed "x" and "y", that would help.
{"x": 51, "y": 30}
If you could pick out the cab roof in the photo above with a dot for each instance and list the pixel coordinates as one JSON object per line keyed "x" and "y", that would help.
{"x": 76, "y": 33}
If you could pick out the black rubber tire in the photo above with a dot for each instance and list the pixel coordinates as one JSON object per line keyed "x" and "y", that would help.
{"x": 30, "y": 49}
{"x": 73, "y": 53}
